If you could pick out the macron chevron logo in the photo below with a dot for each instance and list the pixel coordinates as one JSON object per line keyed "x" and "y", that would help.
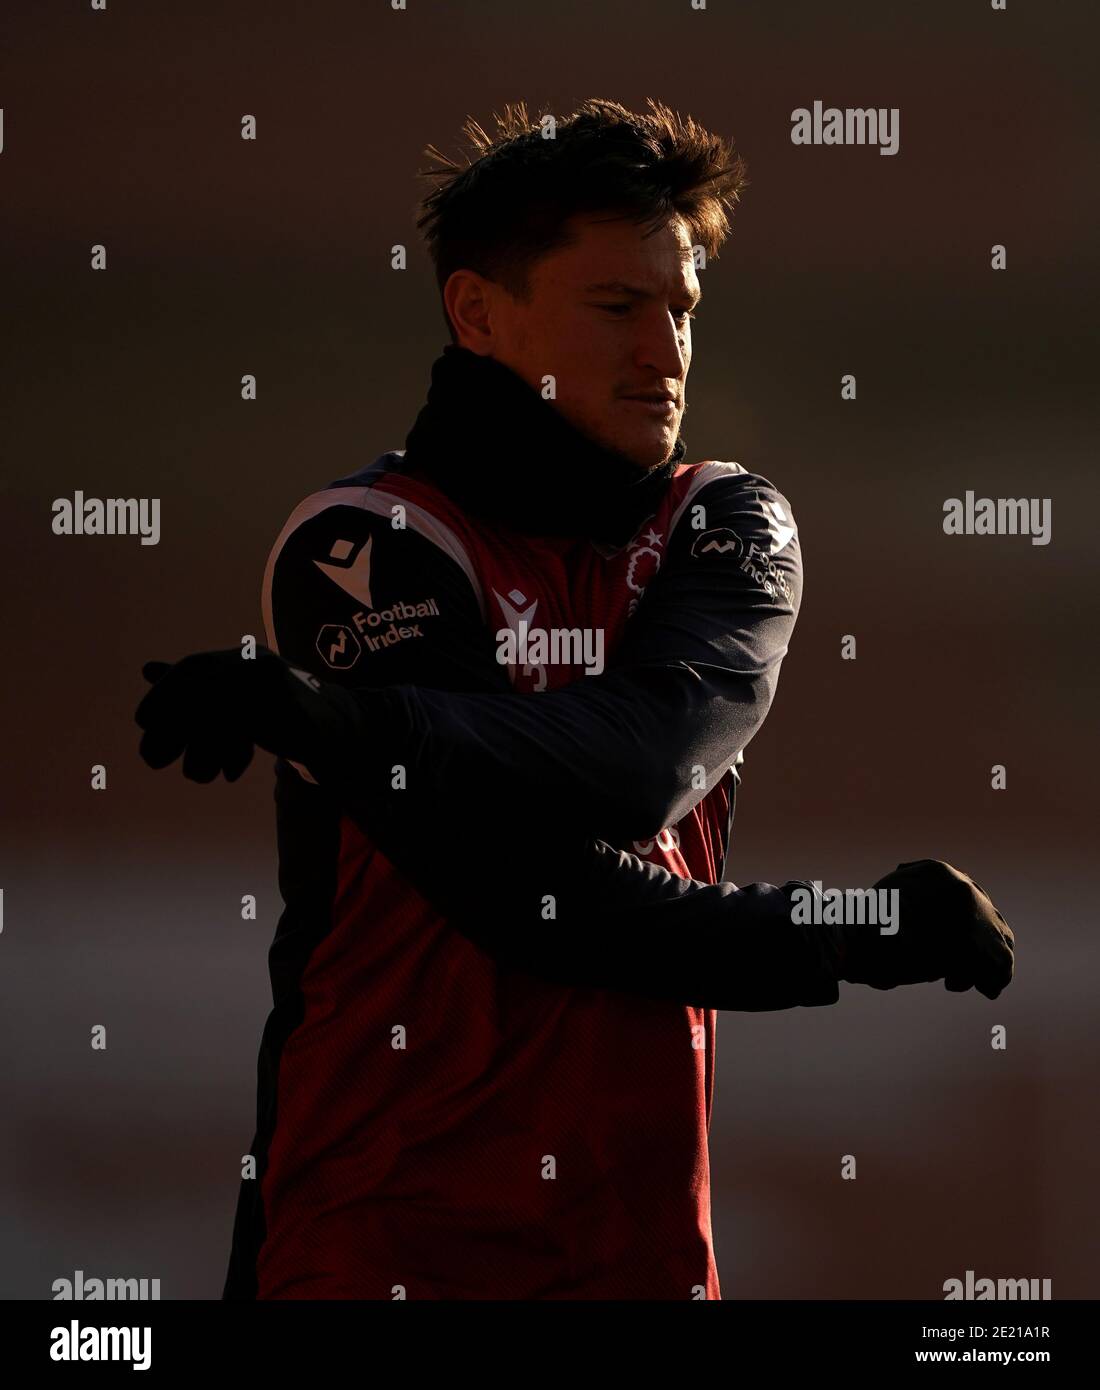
{"x": 513, "y": 613}
{"x": 354, "y": 579}
{"x": 781, "y": 532}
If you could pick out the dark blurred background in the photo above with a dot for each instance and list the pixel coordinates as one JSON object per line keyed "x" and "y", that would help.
{"x": 122, "y": 907}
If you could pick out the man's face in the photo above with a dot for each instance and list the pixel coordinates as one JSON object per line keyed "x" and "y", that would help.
{"x": 609, "y": 318}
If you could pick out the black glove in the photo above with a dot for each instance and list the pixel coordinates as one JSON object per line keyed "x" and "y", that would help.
{"x": 213, "y": 707}
{"x": 948, "y": 929}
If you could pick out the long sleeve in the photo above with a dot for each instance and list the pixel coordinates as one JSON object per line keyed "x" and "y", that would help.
{"x": 689, "y": 686}
{"x": 424, "y": 793}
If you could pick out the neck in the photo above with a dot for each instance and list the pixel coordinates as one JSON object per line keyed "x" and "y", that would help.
{"x": 491, "y": 443}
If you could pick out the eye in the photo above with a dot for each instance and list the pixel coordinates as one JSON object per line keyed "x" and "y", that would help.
{"x": 614, "y": 308}
{"x": 684, "y": 316}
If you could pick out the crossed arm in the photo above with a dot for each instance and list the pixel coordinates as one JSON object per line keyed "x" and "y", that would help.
{"x": 616, "y": 754}
{"x": 549, "y": 782}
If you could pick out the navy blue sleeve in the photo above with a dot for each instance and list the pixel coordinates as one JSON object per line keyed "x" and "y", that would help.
{"x": 618, "y": 753}
{"x": 431, "y": 743}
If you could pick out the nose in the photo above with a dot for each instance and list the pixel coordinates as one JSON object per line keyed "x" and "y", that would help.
{"x": 662, "y": 346}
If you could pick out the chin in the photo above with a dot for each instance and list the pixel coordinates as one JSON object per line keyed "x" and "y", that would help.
{"x": 645, "y": 448}
{"x": 649, "y": 452}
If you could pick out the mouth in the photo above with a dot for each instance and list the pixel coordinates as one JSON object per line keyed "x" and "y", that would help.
{"x": 658, "y": 403}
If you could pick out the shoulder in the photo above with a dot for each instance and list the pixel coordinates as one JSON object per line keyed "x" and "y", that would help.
{"x": 376, "y": 510}
{"x": 358, "y": 500}
{"x": 361, "y": 540}
{"x": 719, "y": 503}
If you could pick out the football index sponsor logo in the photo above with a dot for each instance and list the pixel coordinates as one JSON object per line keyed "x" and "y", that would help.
{"x": 720, "y": 541}
{"x": 751, "y": 558}
{"x": 337, "y": 643}
{"x": 338, "y": 646}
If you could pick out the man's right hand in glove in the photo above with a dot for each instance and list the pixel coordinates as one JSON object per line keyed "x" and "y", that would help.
{"x": 948, "y": 929}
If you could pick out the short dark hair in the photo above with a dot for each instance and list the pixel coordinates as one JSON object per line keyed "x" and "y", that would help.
{"x": 506, "y": 200}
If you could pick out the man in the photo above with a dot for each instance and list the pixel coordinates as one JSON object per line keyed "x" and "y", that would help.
{"x": 511, "y": 672}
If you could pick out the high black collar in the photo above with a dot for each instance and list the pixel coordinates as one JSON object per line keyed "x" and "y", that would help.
{"x": 493, "y": 445}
